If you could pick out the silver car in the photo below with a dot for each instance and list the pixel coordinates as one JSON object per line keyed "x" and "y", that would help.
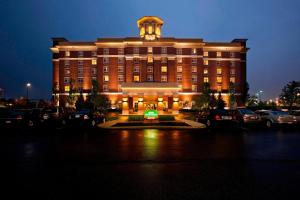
{"x": 296, "y": 113}
{"x": 272, "y": 118}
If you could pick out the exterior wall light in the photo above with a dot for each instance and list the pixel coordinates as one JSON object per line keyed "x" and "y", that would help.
{"x": 125, "y": 99}
{"x": 160, "y": 99}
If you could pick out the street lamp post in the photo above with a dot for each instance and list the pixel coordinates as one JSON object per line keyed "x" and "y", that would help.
{"x": 28, "y": 85}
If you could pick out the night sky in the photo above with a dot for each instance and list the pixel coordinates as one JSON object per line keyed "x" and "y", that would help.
{"x": 26, "y": 29}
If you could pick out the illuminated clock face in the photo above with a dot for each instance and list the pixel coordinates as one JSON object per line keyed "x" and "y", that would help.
{"x": 150, "y": 37}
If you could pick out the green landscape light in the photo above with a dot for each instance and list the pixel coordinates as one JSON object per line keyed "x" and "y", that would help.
{"x": 151, "y": 114}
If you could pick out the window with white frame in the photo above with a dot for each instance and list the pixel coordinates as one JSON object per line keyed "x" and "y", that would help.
{"x": 150, "y": 50}
{"x": 149, "y": 69}
{"x": 232, "y": 79}
{"x": 80, "y": 62}
{"x": 194, "y": 78}
{"x": 67, "y": 63}
{"x": 164, "y": 60}
{"x": 105, "y": 60}
{"x": 232, "y": 71}
{"x": 194, "y": 61}
{"x": 219, "y": 54}
{"x": 179, "y": 59}
{"x": 136, "y": 69}
{"x": 120, "y": 51}
{"x": 80, "y": 80}
{"x": 105, "y": 69}
{"x": 164, "y": 69}
{"x": 164, "y": 78}
{"x": 219, "y": 88}
{"x": 105, "y": 78}
{"x": 94, "y": 78}
{"x": 80, "y": 71}
{"x": 120, "y": 60}
{"x": 135, "y": 50}
{"x": 194, "y": 51}
{"x": 205, "y": 53}
{"x": 94, "y": 62}
{"x": 105, "y": 51}
{"x": 149, "y": 77}
{"x": 179, "y": 78}
{"x": 150, "y": 59}
{"x": 194, "y": 88}
{"x": 136, "y": 61}
{"x": 194, "y": 69}
{"x": 219, "y": 71}
{"x": 120, "y": 69}
{"x": 205, "y": 71}
{"x": 218, "y": 63}
{"x": 179, "y": 69}
{"x": 93, "y": 71}
{"x": 67, "y": 71}
{"x": 94, "y": 53}
{"x": 80, "y": 53}
{"x": 219, "y": 79}
{"x": 179, "y": 51}
{"x": 105, "y": 88}
{"x": 232, "y": 54}
{"x": 67, "y": 53}
{"x": 205, "y": 80}
{"x": 205, "y": 62}
{"x": 232, "y": 63}
{"x": 121, "y": 78}
{"x": 119, "y": 88}
{"x": 66, "y": 80}
{"x": 164, "y": 50}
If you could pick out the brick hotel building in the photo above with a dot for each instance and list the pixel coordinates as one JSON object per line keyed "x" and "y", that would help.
{"x": 149, "y": 71}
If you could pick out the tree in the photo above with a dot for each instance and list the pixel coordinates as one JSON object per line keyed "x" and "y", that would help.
{"x": 71, "y": 99}
{"x": 203, "y": 100}
{"x": 252, "y": 101}
{"x": 80, "y": 102}
{"x": 220, "y": 103}
{"x": 98, "y": 101}
{"x": 232, "y": 99}
{"x": 245, "y": 93}
{"x": 213, "y": 101}
{"x": 290, "y": 93}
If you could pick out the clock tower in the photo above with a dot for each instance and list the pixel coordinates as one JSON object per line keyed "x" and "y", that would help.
{"x": 150, "y": 27}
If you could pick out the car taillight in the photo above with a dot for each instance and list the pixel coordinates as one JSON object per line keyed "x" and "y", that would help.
{"x": 19, "y": 117}
{"x": 217, "y": 117}
{"x": 85, "y": 117}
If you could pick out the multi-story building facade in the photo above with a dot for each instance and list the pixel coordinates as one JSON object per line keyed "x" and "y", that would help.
{"x": 150, "y": 71}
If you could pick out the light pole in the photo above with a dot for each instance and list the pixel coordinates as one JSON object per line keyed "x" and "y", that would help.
{"x": 260, "y": 93}
{"x": 28, "y": 85}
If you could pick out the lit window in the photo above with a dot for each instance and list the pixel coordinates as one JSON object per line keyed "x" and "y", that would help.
{"x": 194, "y": 61}
{"x": 219, "y": 54}
{"x": 150, "y": 29}
{"x": 94, "y": 78}
{"x": 164, "y": 50}
{"x": 80, "y": 80}
{"x": 179, "y": 51}
{"x": 194, "y": 78}
{"x": 66, "y": 79}
{"x": 120, "y": 51}
{"x": 93, "y": 71}
{"x": 150, "y": 59}
{"x": 205, "y": 80}
{"x": 149, "y": 69}
{"x": 150, "y": 49}
{"x": 67, "y": 72}
{"x": 219, "y": 79}
{"x": 179, "y": 68}
{"x": 205, "y": 62}
{"x": 105, "y": 88}
{"x": 149, "y": 78}
{"x": 232, "y": 79}
{"x": 179, "y": 77}
{"x": 120, "y": 69}
{"x": 120, "y": 60}
{"x": 205, "y": 53}
{"x": 105, "y": 60}
{"x": 67, "y": 88}
{"x": 164, "y": 78}
{"x": 136, "y": 69}
{"x": 219, "y": 71}
{"x": 194, "y": 51}
{"x": 164, "y": 69}
{"x": 164, "y": 60}
{"x": 136, "y": 61}
{"x": 105, "y": 51}
{"x": 119, "y": 88}
{"x": 80, "y": 53}
{"x": 194, "y": 88}
{"x": 121, "y": 78}
{"x": 94, "y": 62}
{"x": 194, "y": 69}
{"x": 94, "y": 53}
{"x": 105, "y": 78}
{"x": 136, "y": 78}
{"x": 67, "y": 53}
{"x": 135, "y": 50}
{"x": 205, "y": 71}
{"x": 219, "y": 88}
{"x": 232, "y": 54}
{"x": 179, "y": 59}
{"x": 232, "y": 71}
{"x": 105, "y": 69}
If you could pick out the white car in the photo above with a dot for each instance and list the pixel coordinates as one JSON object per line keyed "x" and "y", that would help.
{"x": 272, "y": 118}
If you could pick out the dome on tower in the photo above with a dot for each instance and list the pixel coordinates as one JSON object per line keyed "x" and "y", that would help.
{"x": 150, "y": 27}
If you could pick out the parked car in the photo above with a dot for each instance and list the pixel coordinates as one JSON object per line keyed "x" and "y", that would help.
{"x": 296, "y": 114}
{"x": 246, "y": 116}
{"x": 271, "y": 118}
{"x": 10, "y": 118}
{"x": 86, "y": 117}
{"x": 217, "y": 118}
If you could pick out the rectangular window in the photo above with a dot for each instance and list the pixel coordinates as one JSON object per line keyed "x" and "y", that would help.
{"x": 136, "y": 61}
{"x": 80, "y": 80}
{"x": 80, "y": 62}
{"x": 164, "y": 69}
{"x": 93, "y": 71}
{"x": 120, "y": 69}
{"x": 164, "y": 50}
{"x": 179, "y": 77}
{"x": 218, "y": 63}
{"x": 205, "y": 80}
{"x": 149, "y": 69}
{"x": 232, "y": 79}
{"x": 121, "y": 78}
{"x": 179, "y": 59}
{"x": 150, "y": 59}
{"x": 80, "y": 71}
{"x": 94, "y": 53}
{"x": 194, "y": 88}
{"x": 136, "y": 78}
{"x": 179, "y": 69}
{"x": 94, "y": 62}
{"x": 67, "y": 63}
{"x": 219, "y": 88}
{"x": 120, "y": 51}
{"x": 136, "y": 69}
{"x": 149, "y": 77}
{"x": 219, "y": 79}
{"x": 80, "y": 53}
{"x": 194, "y": 51}
{"x": 66, "y": 80}
{"x": 150, "y": 50}
{"x": 120, "y": 60}
{"x": 232, "y": 64}
{"x": 219, "y": 71}
{"x": 105, "y": 78}
{"x": 67, "y": 88}
{"x": 164, "y": 60}
{"x": 105, "y": 88}
{"x": 67, "y": 72}
{"x": 205, "y": 71}
{"x": 232, "y": 71}
{"x": 135, "y": 50}
{"x": 119, "y": 88}
{"x": 205, "y": 62}
{"x": 164, "y": 78}
{"x": 179, "y": 51}
{"x": 194, "y": 61}
{"x": 105, "y": 51}
{"x": 67, "y": 53}
{"x": 105, "y": 69}
{"x": 105, "y": 60}
{"x": 219, "y": 54}
{"x": 232, "y": 54}
{"x": 94, "y": 78}
{"x": 194, "y": 78}
{"x": 194, "y": 69}
{"x": 205, "y": 53}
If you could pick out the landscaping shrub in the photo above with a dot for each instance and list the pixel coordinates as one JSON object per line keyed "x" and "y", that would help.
{"x": 166, "y": 118}
{"x": 135, "y": 118}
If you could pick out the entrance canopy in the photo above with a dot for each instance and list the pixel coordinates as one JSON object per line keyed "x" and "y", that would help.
{"x": 150, "y": 88}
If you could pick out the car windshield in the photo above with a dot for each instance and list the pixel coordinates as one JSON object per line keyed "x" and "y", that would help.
{"x": 246, "y": 111}
{"x": 279, "y": 113}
